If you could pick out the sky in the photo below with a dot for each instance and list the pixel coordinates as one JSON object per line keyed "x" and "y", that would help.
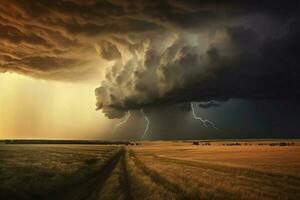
{"x": 72, "y": 69}
{"x": 34, "y": 108}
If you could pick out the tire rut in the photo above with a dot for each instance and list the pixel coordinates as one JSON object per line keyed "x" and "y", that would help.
{"x": 91, "y": 189}
{"x": 124, "y": 178}
{"x": 159, "y": 180}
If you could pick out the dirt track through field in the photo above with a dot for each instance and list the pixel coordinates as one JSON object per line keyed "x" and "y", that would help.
{"x": 90, "y": 190}
{"x": 124, "y": 180}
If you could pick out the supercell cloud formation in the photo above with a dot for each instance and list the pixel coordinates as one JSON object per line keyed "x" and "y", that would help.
{"x": 146, "y": 54}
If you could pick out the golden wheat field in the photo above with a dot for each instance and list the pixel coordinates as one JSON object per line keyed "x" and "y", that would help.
{"x": 152, "y": 170}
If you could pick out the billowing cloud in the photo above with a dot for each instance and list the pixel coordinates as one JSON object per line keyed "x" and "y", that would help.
{"x": 147, "y": 54}
{"x": 237, "y": 62}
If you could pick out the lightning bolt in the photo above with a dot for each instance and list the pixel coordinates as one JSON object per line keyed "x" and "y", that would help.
{"x": 204, "y": 121}
{"x": 147, "y": 123}
{"x": 123, "y": 121}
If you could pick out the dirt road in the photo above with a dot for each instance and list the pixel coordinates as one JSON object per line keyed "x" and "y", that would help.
{"x": 93, "y": 188}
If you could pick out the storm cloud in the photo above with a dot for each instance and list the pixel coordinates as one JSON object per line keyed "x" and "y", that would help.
{"x": 239, "y": 61}
{"x": 148, "y": 54}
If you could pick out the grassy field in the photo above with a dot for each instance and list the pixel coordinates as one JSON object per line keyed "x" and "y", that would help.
{"x": 39, "y": 171}
{"x": 153, "y": 170}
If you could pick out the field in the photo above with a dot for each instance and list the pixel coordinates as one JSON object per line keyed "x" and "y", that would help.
{"x": 152, "y": 170}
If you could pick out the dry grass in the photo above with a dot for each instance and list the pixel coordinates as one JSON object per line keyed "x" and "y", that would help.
{"x": 230, "y": 172}
{"x": 153, "y": 170}
{"x": 112, "y": 188}
{"x": 33, "y": 171}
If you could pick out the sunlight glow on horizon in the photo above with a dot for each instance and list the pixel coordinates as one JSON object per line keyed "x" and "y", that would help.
{"x": 34, "y": 108}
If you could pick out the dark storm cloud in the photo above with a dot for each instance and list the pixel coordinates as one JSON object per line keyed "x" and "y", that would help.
{"x": 153, "y": 53}
{"x": 208, "y": 104}
{"x": 249, "y": 61}
{"x": 49, "y": 35}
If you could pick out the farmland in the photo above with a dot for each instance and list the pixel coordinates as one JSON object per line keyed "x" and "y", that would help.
{"x": 152, "y": 170}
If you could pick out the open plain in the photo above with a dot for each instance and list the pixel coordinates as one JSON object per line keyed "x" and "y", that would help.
{"x": 246, "y": 169}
